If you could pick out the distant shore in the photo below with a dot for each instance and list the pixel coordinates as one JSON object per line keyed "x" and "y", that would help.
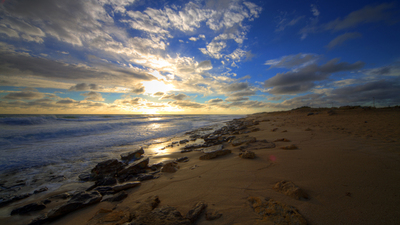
{"x": 305, "y": 166}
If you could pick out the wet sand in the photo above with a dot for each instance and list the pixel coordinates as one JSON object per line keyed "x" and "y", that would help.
{"x": 348, "y": 163}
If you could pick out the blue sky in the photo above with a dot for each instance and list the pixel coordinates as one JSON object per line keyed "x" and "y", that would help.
{"x": 200, "y": 56}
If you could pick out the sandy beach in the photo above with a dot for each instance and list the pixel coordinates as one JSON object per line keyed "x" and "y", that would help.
{"x": 347, "y": 161}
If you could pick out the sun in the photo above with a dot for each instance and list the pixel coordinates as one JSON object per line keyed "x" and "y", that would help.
{"x": 155, "y": 86}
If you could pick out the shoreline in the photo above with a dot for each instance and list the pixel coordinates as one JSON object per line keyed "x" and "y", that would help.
{"x": 347, "y": 163}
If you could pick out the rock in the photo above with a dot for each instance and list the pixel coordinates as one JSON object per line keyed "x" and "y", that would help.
{"x": 284, "y": 131}
{"x": 332, "y": 112}
{"x": 156, "y": 166}
{"x": 255, "y": 129}
{"x": 243, "y": 140}
{"x": 258, "y": 145}
{"x": 108, "y": 168}
{"x": 136, "y": 167}
{"x": 290, "y": 189}
{"x": 46, "y": 201}
{"x": 78, "y": 201}
{"x": 40, "y": 190}
{"x": 182, "y": 159}
{"x": 247, "y": 155}
{"x": 15, "y": 198}
{"x": 212, "y": 148}
{"x": 274, "y": 212}
{"x": 212, "y": 215}
{"x": 61, "y": 196}
{"x": 105, "y": 190}
{"x": 107, "y": 181}
{"x": 166, "y": 215}
{"x": 170, "y": 167}
{"x": 183, "y": 141}
{"x": 85, "y": 177}
{"x": 289, "y": 147}
{"x": 195, "y": 212}
{"x": 134, "y": 155}
{"x": 186, "y": 150}
{"x": 310, "y": 114}
{"x": 126, "y": 186}
{"x": 275, "y": 129}
{"x": 28, "y": 208}
{"x": 282, "y": 140}
{"x": 115, "y": 198}
{"x": 214, "y": 154}
{"x": 108, "y": 216}
{"x": 144, "y": 176}
{"x": 308, "y": 129}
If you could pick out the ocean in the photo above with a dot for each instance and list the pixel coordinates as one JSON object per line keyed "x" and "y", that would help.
{"x": 52, "y": 150}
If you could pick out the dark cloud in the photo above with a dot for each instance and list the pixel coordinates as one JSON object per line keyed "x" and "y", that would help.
{"x": 390, "y": 70}
{"x": 368, "y": 14}
{"x": 67, "y": 101}
{"x": 174, "y": 97}
{"x": 158, "y": 94}
{"x": 205, "y": 65}
{"x": 138, "y": 89}
{"x": 236, "y": 99}
{"x": 186, "y": 104}
{"x": 291, "y": 61}
{"x": 93, "y": 96}
{"x": 215, "y": 101}
{"x": 249, "y": 104}
{"x": 242, "y": 93}
{"x": 301, "y": 80}
{"x": 235, "y": 87}
{"x": 339, "y": 40}
{"x": 24, "y": 95}
{"x": 133, "y": 101}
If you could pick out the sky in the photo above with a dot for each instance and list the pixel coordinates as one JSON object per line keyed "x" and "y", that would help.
{"x": 196, "y": 57}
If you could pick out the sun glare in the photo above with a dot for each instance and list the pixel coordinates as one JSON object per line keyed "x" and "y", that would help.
{"x": 155, "y": 86}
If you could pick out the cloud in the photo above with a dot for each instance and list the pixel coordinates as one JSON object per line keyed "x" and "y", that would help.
{"x": 174, "y": 97}
{"x": 283, "y": 21}
{"x": 339, "y": 40}
{"x": 242, "y": 93}
{"x": 84, "y": 87}
{"x": 301, "y": 80}
{"x": 235, "y": 87}
{"x": 93, "y": 96}
{"x": 291, "y": 61}
{"x": 158, "y": 94}
{"x": 314, "y": 10}
{"x": 368, "y": 14}
{"x": 193, "y": 39}
{"x": 215, "y": 101}
{"x": 24, "y": 95}
{"x": 186, "y": 104}
{"x": 389, "y": 70}
{"x": 236, "y": 99}
{"x": 138, "y": 89}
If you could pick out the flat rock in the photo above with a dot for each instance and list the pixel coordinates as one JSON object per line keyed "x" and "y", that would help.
{"x": 126, "y": 186}
{"x": 290, "y": 189}
{"x": 214, "y": 154}
{"x": 40, "y": 190}
{"x": 195, "y": 212}
{"x": 136, "y": 167}
{"x": 170, "y": 167}
{"x": 243, "y": 140}
{"x": 282, "y": 140}
{"x": 166, "y": 215}
{"x": 106, "y": 168}
{"x": 273, "y": 212}
{"x": 247, "y": 155}
{"x": 183, "y": 159}
{"x": 213, "y": 215}
{"x": 212, "y": 148}
{"x": 133, "y": 155}
{"x": 289, "y": 147}
{"x": 116, "y": 197}
{"x": 108, "y": 216}
{"x": 258, "y": 145}
{"x": 28, "y": 208}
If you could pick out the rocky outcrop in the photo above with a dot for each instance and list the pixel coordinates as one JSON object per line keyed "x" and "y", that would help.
{"x": 28, "y": 208}
{"x": 196, "y": 211}
{"x": 134, "y": 155}
{"x": 247, "y": 155}
{"x": 136, "y": 167}
{"x": 273, "y": 212}
{"x": 108, "y": 168}
{"x": 243, "y": 140}
{"x": 290, "y": 189}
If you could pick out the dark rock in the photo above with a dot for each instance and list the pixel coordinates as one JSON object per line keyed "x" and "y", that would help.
{"x": 40, "y": 190}
{"x": 28, "y": 208}
{"x": 115, "y": 198}
{"x": 214, "y": 154}
{"x": 290, "y": 189}
{"x": 170, "y": 167}
{"x": 108, "y": 168}
{"x": 282, "y": 140}
{"x": 39, "y": 220}
{"x": 136, "y": 167}
{"x": 183, "y": 141}
{"x": 182, "y": 159}
{"x": 247, "y": 155}
{"x": 134, "y": 155}
{"x": 274, "y": 212}
{"x": 289, "y": 147}
{"x": 212, "y": 215}
{"x": 192, "y": 146}
{"x": 125, "y": 186}
{"x": 61, "y": 196}
{"x": 103, "y": 190}
{"x": 166, "y": 215}
{"x": 186, "y": 150}
{"x": 243, "y": 140}
{"x": 310, "y": 114}
{"x": 12, "y": 199}
{"x": 46, "y": 201}
{"x": 144, "y": 176}
{"x": 85, "y": 177}
{"x": 258, "y": 145}
{"x": 156, "y": 166}
{"x": 78, "y": 201}
{"x": 275, "y": 129}
{"x": 106, "y": 181}
{"x": 58, "y": 178}
{"x": 255, "y": 129}
{"x": 195, "y": 212}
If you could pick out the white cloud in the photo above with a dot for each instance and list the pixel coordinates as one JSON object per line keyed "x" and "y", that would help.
{"x": 339, "y": 40}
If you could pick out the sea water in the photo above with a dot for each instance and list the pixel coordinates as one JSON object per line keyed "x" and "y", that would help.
{"x": 51, "y": 150}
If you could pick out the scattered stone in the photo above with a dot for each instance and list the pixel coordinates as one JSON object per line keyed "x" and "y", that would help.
{"x": 186, "y": 150}
{"x": 183, "y": 141}
{"x": 310, "y": 114}
{"x": 274, "y": 212}
{"x": 170, "y": 167}
{"x": 134, "y": 155}
{"x": 166, "y": 215}
{"x": 55, "y": 178}
{"x": 144, "y": 176}
{"x": 275, "y": 129}
{"x": 213, "y": 215}
{"x": 126, "y": 186}
{"x": 46, "y": 201}
{"x": 115, "y": 198}
{"x": 258, "y": 145}
{"x": 40, "y": 190}
{"x": 14, "y": 199}
{"x": 290, "y": 189}
{"x": 194, "y": 167}
{"x": 106, "y": 168}
{"x": 61, "y": 196}
{"x": 86, "y": 177}
{"x": 156, "y": 166}
{"x": 284, "y": 131}
{"x": 214, "y": 154}
{"x": 282, "y": 140}
{"x": 183, "y": 159}
{"x": 243, "y": 140}
{"x": 308, "y": 129}
{"x": 247, "y": 155}
{"x": 289, "y": 147}
{"x": 104, "y": 190}
{"x": 107, "y": 216}
{"x": 135, "y": 168}
{"x": 28, "y": 208}
{"x": 107, "y": 181}
{"x": 195, "y": 212}
{"x": 255, "y": 129}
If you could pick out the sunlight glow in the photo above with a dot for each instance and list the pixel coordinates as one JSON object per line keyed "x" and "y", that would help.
{"x": 155, "y": 86}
